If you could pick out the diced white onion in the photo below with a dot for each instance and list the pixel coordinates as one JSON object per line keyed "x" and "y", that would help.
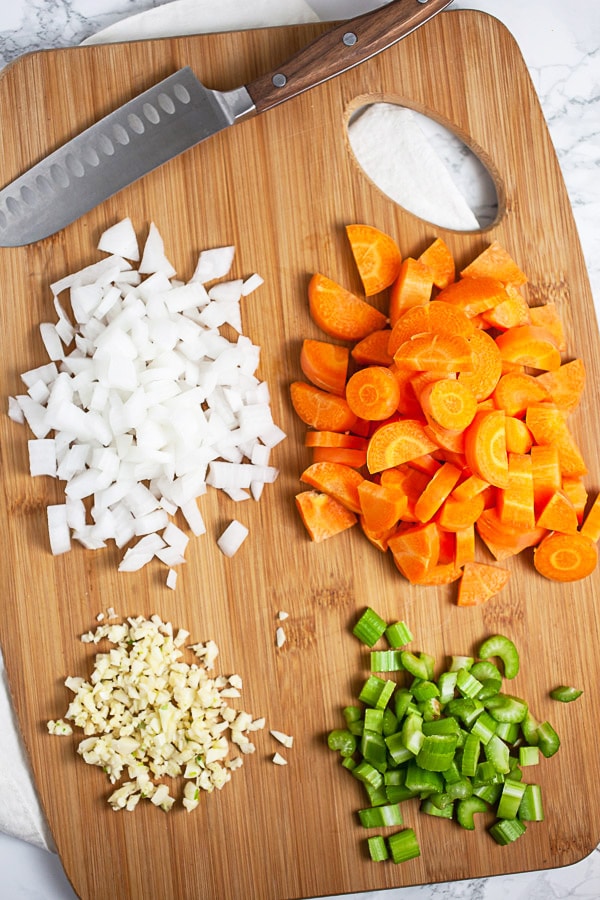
{"x": 232, "y": 538}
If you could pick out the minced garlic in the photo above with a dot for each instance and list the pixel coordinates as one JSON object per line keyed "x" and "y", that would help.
{"x": 147, "y": 714}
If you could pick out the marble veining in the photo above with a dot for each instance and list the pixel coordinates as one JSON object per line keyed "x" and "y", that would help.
{"x": 561, "y": 45}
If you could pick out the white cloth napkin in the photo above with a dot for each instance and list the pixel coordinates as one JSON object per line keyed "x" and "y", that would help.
{"x": 385, "y": 139}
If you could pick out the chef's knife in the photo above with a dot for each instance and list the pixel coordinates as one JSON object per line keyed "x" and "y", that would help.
{"x": 178, "y": 113}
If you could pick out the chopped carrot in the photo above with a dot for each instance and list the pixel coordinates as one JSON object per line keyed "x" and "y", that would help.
{"x": 591, "y": 524}
{"x": 334, "y": 439}
{"x": 373, "y": 349}
{"x": 548, "y": 317}
{"x": 320, "y": 409}
{"x": 485, "y": 447}
{"x": 440, "y": 262}
{"x": 565, "y": 557}
{"x": 548, "y": 426}
{"x": 471, "y": 486}
{"x": 565, "y": 385}
{"x": 474, "y": 295}
{"x": 575, "y": 490}
{"x": 381, "y": 505}
{"x": 529, "y": 345}
{"x": 340, "y": 313}
{"x": 508, "y": 313}
{"x": 450, "y": 403}
{"x": 515, "y": 501}
{"x": 446, "y": 438}
{"x": 480, "y": 582}
{"x": 495, "y": 262}
{"x": 442, "y": 573}
{"x": 349, "y": 456}
{"x": 504, "y": 540}
{"x": 411, "y": 482}
{"x": 435, "y": 317}
{"x": 325, "y": 365}
{"x": 518, "y": 436}
{"x": 379, "y": 539}
{"x": 559, "y": 514}
{"x": 545, "y": 467}
{"x": 337, "y": 480}
{"x": 412, "y": 287}
{"x": 408, "y": 403}
{"x": 442, "y": 353}
{"x": 436, "y": 492}
{"x": 322, "y": 515}
{"x": 396, "y": 443}
{"x": 455, "y": 515}
{"x": 376, "y": 255}
{"x": 373, "y": 393}
{"x": 416, "y": 550}
{"x": 426, "y": 463}
{"x": 464, "y": 546}
{"x": 487, "y": 365}
{"x": 516, "y": 391}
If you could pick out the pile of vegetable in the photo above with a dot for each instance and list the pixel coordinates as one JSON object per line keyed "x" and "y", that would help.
{"x": 456, "y": 742}
{"x": 442, "y": 417}
{"x": 146, "y": 401}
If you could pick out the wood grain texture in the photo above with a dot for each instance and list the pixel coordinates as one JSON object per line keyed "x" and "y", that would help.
{"x": 281, "y": 187}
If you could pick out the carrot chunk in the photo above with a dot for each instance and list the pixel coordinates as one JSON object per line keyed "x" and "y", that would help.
{"x": 591, "y": 524}
{"x": 450, "y": 403}
{"x": 412, "y": 287}
{"x": 416, "y": 550}
{"x": 487, "y": 365}
{"x": 441, "y": 353}
{"x": 440, "y": 262}
{"x": 495, "y": 262}
{"x": 516, "y": 391}
{"x": 325, "y": 365}
{"x": 396, "y": 443}
{"x": 515, "y": 501}
{"x": 435, "y": 317}
{"x": 373, "y": 349}
{"x": 373, "y": 393}
{"x": 485, "y": 447}
{"x": 565, "y": 385}
{"x": 474, "y": 295}
{"x": 464, "y": 546}
{"x": 376, "y": 255}
{"x": 455, "y": 515}
{"x": 337, "y": 480}
{"x": 320, "y": 409}
{"x": 545, "y": 467}
{"x": 381, "y": 505}
{"x": 548, "y": 317}
{"x": 559, "y": 514}
{"x": 334, "y": 439}
{"x": 565, "y": 557}
{"x": 529, "y": 345}
{"x": 349, "y": 456}
{"x": 480, "y": 582}
{"x": 518, "y": 436}
{"x": 340, "y": 313}
{"x": 504, "y": 540}
{"x": 322, "y": 515}
{"x": 436, "y": 492}
{"x": 575, "y": 490}
{"x": 548, "y": 426}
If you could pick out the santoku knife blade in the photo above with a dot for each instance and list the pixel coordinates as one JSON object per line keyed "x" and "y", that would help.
{"x": 178, "y": 113}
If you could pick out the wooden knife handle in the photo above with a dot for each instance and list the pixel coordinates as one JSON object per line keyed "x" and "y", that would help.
{"x": 341, "y": 48}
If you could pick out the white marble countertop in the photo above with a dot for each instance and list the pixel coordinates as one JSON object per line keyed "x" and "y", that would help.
{"x": 561, "y": 46}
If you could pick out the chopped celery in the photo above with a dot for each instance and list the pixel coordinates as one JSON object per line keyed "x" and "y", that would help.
{"x": 460, "y": 662}
{"x": 497, "y": 752}
{"x": 437, "y": 752}
{"x": 504, "y": 649}
{"x": 403, "y": 845}
{"x": 398, "y": 634}
{"x": 386, "y": 661}
{"x": 507, "y": 830}
{"x": 425, "y": 690}
{"x": 548, "y": 740}
{"x": 531, "y": 809}
{"x": 506, "y": 708}
{"x": 378, "y": 850}
{"x": 373, "y": 720}
{"x": 415, "y": 665}
{"x": 466, "y": 809}
{"x": 485, "y": 727}
{"x": 565, "y": 694}
{"x": 373, "y": 749}
{"x": 470, "y": 755}
{"x": 432, "y": 809}
{"x": 467, "y": 684}
{"x": 369, "y": 627}
{"x": 380, "y": 816}
{"x": 529, "y": 756}
{"x": 510, "y": 799}
{"x": 343, "y": 740}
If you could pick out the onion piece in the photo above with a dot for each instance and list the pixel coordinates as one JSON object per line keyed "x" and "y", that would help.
{"x": 232, "y": 538}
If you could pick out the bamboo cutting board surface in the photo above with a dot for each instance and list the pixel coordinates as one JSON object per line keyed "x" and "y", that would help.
{"x": 281, "y": 187}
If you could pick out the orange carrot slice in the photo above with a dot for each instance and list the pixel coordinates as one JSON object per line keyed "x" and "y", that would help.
{"x": 340, "y": 313}
{"x": 320, "y": 409}
{"x": 322, "y": 515}
{"x": 504, "y": 540}
{"x": 436, "y": 492}
{"x": 545, "y": 467}
{"x": 349, "y": 456}
{"x": 529, "y": 345}
{"x": 376, "y": 255}
{"x": 470, "y": 487}
{"x": 381, "y": 505}
{"x": 440, "y": 262}
{"x": 442, "y": 573}
{"x": 334, "y": 439}
{"x": 416, "y": 550}
{"x": 464, "y": 546}
{"x": 456, "y": 515}
{"x": 474, "y": 295}
{"x": 495, "y": 262}
{"x": 508, "y": 313}
{"x": 565, "y": 385}
{"x": 575, "y": 490}
{"x": 487, "y": 365}
{"x": 325, "y": 365}
{"x": 373, "y": 349}
{"x": 548, "y": 426}
{"x": 373, "y": 393}
{"x": 450, "y": 403}
{"x": 485, "y": 447}
{"x": 435, "y": 317}
{"x": 396, "y": 443}
{"x": 559, "y": 514}
{"x": 515, "y": 501}
{"x": 411, "y": 288}
{"x": 548, "y": 317}
{"x": 516, "y": 391}
{"x": 480, "y": 582}
{"x": 565, "y": 557}
{"x": 337, "y": 480}
{"x": 518, "y": 436}
{"x": 440, "y": 353}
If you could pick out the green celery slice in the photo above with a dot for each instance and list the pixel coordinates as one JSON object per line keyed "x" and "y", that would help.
{"x": 548, "y": 740}
{"x": 403, "y": 845}
{"x": 565, "y": 694}
{"x": 510, "y": 799}
{"x": 381, "y": 816}
{"x": 342, "y": 740}
{"x": 377, "y": 846}
{"x": 502, "y": 647}
{"x": 466, "y": 809}
{"x": 437, "y": 752}
{"x": 369, "y": 627}
{"x": 507, "y": 830}
{"x": 398, "y": 634}
{"x": 531, "y": 808}
{"x": 386, "y": 661}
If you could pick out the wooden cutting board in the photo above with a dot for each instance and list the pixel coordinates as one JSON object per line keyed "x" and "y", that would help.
{"x": 281, "y": 188}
